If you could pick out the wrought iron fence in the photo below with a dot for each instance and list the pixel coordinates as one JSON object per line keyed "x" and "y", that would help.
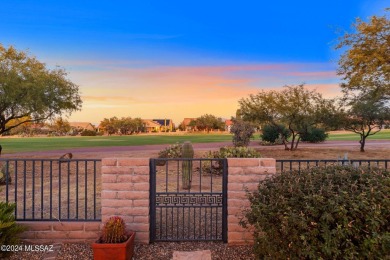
{"x": 289, "y": 165}
{"x": 52, "y": 189}
{"x": 188, "y": 199}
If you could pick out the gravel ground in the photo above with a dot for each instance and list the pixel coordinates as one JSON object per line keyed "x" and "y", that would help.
{"x": 156, "y": 251}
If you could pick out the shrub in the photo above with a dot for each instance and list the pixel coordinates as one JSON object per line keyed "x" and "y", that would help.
{"x": 172, "y": 151}
{"x": 323, "y": 213}
{"x": 9, "y": 229}
{"x": 242, "y": 132}
{"x": 227, "y": 152}
{"x": 314, "y": 135}
{"x": 88, "y": 133}
{"x": 272, "y": 133}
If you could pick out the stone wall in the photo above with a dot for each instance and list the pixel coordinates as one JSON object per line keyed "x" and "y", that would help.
{"x": 244, "y": 175}
{"x": 40, "y": 232}
{"x": 125, "y": 193}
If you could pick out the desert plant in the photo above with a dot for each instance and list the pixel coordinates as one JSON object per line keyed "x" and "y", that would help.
{"x": 226, "y": 152}
{"x": 114, "y": 231}
{"x": 336, "y": 212}
{"x": 186, "y": 166}
{"x": 9, "y": 229}
{"x": 172, "y": 151}
{"x": 4, "y": 172}
{"x": 271, "y": 133}
{"x": 242, "y": 132}
{"x": 314, "y": 135}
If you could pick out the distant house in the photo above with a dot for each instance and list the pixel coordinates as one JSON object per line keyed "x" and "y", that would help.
{"x": 228, "y": 125}
{"x": 81, "y": 126}
{"x": 185, "y": 125}
{"x": 158, "y": 125}
{"x": 165, "y": 124}
{"x": 151, "y": 126}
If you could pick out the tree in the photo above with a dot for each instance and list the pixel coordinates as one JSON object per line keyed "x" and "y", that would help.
{"x": 110, "y": 125}
{"x": 209, "y": 122}
{"x": 242, "y": 132}
{"x": 294, "y": 107}
{"x": 30, "y": 92}
{"x": 366, "y": 117}
{"x": 365, "y": 68}
{"x": 365, "y": 65}
{"x": 60, "y": 126}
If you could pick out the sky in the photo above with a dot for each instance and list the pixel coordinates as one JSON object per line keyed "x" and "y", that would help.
{"x": 177, "y": 59}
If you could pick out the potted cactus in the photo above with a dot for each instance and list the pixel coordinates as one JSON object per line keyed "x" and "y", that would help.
{"x": 115, "y": 242}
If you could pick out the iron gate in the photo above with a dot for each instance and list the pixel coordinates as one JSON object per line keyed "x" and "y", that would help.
{"x": 188, "y": 199}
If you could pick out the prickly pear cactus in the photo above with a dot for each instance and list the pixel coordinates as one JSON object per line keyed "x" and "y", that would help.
{"x": 186, "y": 167}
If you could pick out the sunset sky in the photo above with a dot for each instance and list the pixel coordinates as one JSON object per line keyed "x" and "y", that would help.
{"x": 176, "y": 59}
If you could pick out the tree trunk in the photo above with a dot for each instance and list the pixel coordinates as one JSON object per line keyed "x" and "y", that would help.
{"x": 362, "y": 143}
{"x": 292, "y": 142}
{"x": 296, "y": 144}
{"x": 285, "y": 143}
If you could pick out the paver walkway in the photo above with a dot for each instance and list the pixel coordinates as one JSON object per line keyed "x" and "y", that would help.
{"x": 192, "y": 255}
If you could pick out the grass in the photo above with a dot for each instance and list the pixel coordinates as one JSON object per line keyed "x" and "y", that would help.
{"x": 349, "y": 136}
{"x": 30, "y": 144}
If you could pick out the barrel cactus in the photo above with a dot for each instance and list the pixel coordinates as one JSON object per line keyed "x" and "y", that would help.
{"x": 114, "y": 231}
{"x": 187, "y": 152}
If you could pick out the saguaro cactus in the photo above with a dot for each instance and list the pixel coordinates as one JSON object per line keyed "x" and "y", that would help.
{"x": 186, "y": 167}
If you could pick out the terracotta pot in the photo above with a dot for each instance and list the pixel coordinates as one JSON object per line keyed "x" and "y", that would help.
{"x": 120, "y": 251}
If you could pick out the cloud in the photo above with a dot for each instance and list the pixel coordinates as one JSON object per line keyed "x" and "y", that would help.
{"x": 124, "y": 89}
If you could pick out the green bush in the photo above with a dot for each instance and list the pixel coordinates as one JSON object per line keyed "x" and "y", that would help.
{"x": 9, "y": 230}
{"x": 88, "y": 133}
{"x": 242, "y": 132}
{"x": 314, "y": 135}
{"x": 271, "y": 133}
{"x": 323, "y": 213}
{"x": 233, "y": 152}
{"x": 226, "y": 152}
{"x": 172, "y": 151}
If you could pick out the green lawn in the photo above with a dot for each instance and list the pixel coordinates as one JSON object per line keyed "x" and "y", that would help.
{"x": 350, "y": 136}
{"x": 28, "y": 144}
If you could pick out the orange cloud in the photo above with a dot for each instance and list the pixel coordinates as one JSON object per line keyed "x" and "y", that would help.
{"x": 186, "y": 91}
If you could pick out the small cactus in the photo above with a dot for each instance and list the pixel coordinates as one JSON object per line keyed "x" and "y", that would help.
{"x": 187, "y": 152}
{"x": 114, "y": 231}
{"x": 4, "y": 173}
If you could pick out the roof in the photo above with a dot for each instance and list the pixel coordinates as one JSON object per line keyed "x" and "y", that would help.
{"x": 80, "y": 124}
{"x": 163, "y": 122}
{"x": 187, "y": 121}
{"x": 150, "y": 123}
{"x": 228, "y": 122}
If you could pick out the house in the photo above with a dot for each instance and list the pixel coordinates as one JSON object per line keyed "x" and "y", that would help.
{"x": 151, "y": 126}
{"x": 186, "y": 124}
{"x": 165, "y": 124}
{"x": 81, "y": 126}
{"x": 228, "y": 125}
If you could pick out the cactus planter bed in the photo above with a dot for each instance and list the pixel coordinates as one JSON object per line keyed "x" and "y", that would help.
{"x": 115, "y": 243}
{"x": 103, "y": 251}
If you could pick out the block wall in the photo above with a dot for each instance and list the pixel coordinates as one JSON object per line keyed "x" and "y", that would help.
{"x": 244, "y": 175}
